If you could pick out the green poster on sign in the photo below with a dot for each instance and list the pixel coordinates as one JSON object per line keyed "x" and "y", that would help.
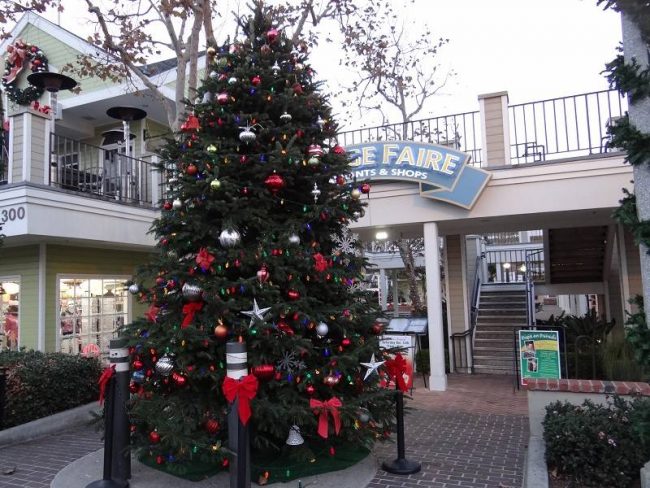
{"x": 539, "y": 354}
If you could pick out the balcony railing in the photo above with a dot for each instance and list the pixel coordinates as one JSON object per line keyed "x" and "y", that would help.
{"x": 458, "y": 131}
{"x": 515, "y": 265}
{"x": 101, "y": 172}
{"x": 564, "y": 127}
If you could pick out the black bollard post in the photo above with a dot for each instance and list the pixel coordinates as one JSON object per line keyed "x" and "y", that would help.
{"x": 3, "y": 388}
{"x": 238, "y": 434}
{"x": 401, "y": 465}
{"x": 107, "y": 480}
{"x": 119, "y": 356}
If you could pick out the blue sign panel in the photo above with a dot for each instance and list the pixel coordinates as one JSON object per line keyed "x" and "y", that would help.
{"x": 442, "y": 172}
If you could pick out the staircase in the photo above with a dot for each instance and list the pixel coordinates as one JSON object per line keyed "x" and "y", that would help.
{"x": 502, "y": 311}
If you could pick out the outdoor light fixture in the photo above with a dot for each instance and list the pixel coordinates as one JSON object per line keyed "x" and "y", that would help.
{"x": 522, "y": 268}
{"x": 506, "y": 266}
{"x": 381, "y": 235}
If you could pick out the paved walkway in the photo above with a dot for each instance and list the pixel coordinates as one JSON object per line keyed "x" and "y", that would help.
{"x": 472, "y": 435}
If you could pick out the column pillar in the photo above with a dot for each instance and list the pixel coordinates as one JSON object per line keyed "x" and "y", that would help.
{"x": 495, "y": 128}
{"x": 438, "y": 377}
{"x": 383, "y": 289}
{"x": 395, "y": 294}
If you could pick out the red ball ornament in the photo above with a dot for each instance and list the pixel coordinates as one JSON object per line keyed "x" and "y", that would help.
{"x": 221, "y": 331}
{"x": 286, "y": 328}
{"x": 297, "y": 88}
{"x": 278, "y": 376}
{"x": 263, "y": 371}
{"x": 346, "y": 342}
{"x": 179, "y": 379}
{"x": 134, "y": 388}
{"x": 167, "y": 205}
{"x": 243, "y": 158}
{"x": 338, "y": 149}
{"x": 310, "y": 389}
{"x": 272, "y": 35}
{"x": 263, "y": 274}
{"x": 315, "y": 150}
{"x": 274, "y": 183}
{"x": 154, "y": 437}
{"x": 160, "y": 460}
{"x": 340, "y": 180}
{"x": 377, "y": 328}
{"x": 365, "y": 188}
{"x": 212, "y": 426}
{"x": 256, "y": 80}
{"x": 223, "y": 98}
{"x": 293, "y": 294}
{"x": 137, "y": 364}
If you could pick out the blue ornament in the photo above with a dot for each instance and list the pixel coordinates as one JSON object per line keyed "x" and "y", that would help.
{"x": 138, "y": 376}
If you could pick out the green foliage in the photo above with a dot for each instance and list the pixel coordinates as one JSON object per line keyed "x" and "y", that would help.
{"x": 40, "y": 384}
{"x": 618, "y": 360}
{"x": 636, "y": 144}
{"x": 597, "y": 445}
{"x": 422, "y": 363}
{"x": 628, "y": 78}
{"x": 588, "y": 325}
{"x": 638, "y": 334}
{"x": 627, "y": 215}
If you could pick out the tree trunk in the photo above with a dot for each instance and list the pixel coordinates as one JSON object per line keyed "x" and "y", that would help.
{"x": 408, "y": 258}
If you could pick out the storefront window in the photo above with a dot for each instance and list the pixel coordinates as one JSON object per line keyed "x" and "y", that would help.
{"x": 91, "y": 310}
{"x": 9, "y": 313}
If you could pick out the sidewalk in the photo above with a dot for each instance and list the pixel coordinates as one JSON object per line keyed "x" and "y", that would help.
{"x": 472, "y": 435}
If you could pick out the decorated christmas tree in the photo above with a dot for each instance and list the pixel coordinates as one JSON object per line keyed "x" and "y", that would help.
{"x": 253, "y": 247}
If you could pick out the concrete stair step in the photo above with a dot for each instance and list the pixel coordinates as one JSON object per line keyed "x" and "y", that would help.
{"x": 502, "y": 306}
{"x": 493, "y": 350}
{"x": 494, "y": 361}
{"x": 507, "y": 312}
{"x": 479, "y": 368}
{"x": 510, "y": 321}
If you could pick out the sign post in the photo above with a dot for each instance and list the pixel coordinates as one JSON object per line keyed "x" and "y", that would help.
{"x": 539, "y": 354}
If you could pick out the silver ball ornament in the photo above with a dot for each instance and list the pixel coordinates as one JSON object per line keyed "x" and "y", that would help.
{"x": 355, "y": 194}
{"x": 215, "y": 184}
{"x": 134, "y": 289}
{"x": 165, "y": 365}
{"x": 294, "y": 239}
{"x": 322, "y": 329}
{"x": 192, "y": 292}
{"x": 177, "y": 204}
{"x": 229, "y": 238}
{"x": 232, "y": 80}
{"x": 285, "y": 117}
{"x": 313, "y": 161}
{"x": 363, "y": 416}
{"x": 247, "y": 136}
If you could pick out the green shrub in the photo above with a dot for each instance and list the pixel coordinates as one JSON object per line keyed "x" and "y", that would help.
{"x": 40, "y": 384}
{"x": 618, "y": 359}
{"x": 598, "y": 445}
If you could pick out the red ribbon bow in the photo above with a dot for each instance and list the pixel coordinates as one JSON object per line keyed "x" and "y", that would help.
{"x": 245, "y": 390}
{"x": 320, "y": 263}
{"x": 323, "y": 409}
{"x": 189, "y": 309}
{"x": 152, "y": 313}
{"x": 396, "y": 369}
{"x": 106, "y": 376}
{"x": 204, "y": 259}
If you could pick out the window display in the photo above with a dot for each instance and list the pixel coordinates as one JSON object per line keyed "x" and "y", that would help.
{"x": 91, "y": 310}
{"x": 9, "y": 313}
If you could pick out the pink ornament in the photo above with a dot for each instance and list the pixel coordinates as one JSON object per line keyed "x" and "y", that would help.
{"x": 222, "y": 98}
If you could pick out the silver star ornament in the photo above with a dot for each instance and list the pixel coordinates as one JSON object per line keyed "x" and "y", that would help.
{"x": 256, "y": 313}
{"x": 372, "y": 366}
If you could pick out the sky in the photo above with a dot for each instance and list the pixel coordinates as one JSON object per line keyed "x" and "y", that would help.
{"x": 534, "y": 49}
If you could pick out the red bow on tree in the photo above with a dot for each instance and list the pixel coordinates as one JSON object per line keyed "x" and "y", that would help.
{"x": 323, "y": 409}
{"x": 152, "y": 313}
{"x": 191, "y": 124}
{"x": 104, "y": 379}
{"x": 396, "y": 369}
{"x": 189, "y": 309}
{"x": 245, "y": 390}
{"x": 204, "y": 259}
{"x": 320, "y": 263}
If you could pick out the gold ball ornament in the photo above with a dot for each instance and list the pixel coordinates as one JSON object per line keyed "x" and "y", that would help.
{"x": 355, "y": 194}
{"x": 215, "y": 184}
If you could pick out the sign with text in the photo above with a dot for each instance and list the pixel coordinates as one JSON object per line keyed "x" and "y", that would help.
{"x": 539, "y": 354}
{"x": 443, "y": 173}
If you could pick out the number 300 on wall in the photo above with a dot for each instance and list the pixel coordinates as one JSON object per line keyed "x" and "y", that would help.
{"x": 11, "y": 214}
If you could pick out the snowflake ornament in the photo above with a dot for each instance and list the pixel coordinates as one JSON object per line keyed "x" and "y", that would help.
{"x": 346, "y": 243}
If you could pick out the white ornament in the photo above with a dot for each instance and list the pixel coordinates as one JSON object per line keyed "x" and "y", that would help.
{"x": 322, "y": 329}
{"x": 177, "y": 204}
{"x": 347, "y": 242}
{"x": 285, "y": 117}
{"x": 213, "y": 74}
{"x": 372, "y": 366}
{"x": 275, "y": 68}
{"x": 134, "y": 289}
{"x": 316, "y": 192}
{"x": 232, "y": 80}
{"x": 192, "y": 292}
{"x": 247, "y": 135}
{"x": 256, "y": 313}
{"x": 294, "y": 239}
{"x": 295, "y": 438}
{"x": 165, "y": 365}
{"x": 355, "y": 194}
{"x": 208, "y": 97}
{"x": 320, "y": 122}
{"x": 229, "y": 238}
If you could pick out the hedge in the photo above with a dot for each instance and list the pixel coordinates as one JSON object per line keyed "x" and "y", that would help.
{"x": 39, "y": 384}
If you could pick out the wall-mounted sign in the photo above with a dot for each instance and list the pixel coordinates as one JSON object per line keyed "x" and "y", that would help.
{"x": 539, "y": 354}
{"x": 442, "y": 172}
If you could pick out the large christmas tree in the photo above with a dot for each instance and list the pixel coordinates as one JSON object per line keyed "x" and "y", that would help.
{"x": 254, "y": 247}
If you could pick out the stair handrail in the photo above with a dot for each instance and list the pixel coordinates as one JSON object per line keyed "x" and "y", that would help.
{"x": 461, "y": 337}
{"x": 530, "y": 288}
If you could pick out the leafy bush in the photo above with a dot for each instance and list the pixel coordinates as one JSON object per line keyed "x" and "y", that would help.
{"x": 598, "y": 445}
{"x": 618, "y": 359}
{"x": 638, "y": 333}
{"x": 40, "y": 384}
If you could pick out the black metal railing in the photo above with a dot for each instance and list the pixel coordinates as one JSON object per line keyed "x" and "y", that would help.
{"x": 564, "y": 127}
{"x": 515, "y": 265}
{"x": 462, "y": 343}
{"x": 109, "y": 174}
{"x": 458, "y": 131}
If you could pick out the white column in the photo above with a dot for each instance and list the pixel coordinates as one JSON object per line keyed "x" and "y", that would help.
{"x": 395, "y": 294}
{"x": 383, "y": 289}
{"x": 438, "y": 378}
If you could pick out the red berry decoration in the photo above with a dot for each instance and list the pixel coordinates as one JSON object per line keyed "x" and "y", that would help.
{"x": 154, "y": 437}
{"x": 274, "y": 183}
{"x": 256, "y": 80}
{"x": 365, "y": 188}
{"x": 293, "y": 294}
{"x": 212, "y": 426}
{"x": 263, "y": 371}
{"x": 192, "y": 170}
{"x": 272, "y": 35}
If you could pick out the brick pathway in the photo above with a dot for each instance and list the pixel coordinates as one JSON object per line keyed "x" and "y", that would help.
{"x": 472, "y": 435}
